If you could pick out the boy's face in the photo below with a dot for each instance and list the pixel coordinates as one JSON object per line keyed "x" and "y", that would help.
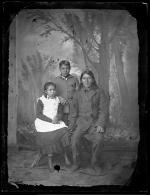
{"x": 51, "y": 91}
{"x": 65, "y": 70}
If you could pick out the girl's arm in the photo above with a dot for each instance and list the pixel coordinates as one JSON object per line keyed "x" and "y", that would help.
{"x": 39, "y": 112}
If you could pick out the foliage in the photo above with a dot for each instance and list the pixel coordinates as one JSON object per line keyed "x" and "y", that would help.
{"x": 101, "y": 35}
{"x": 32, "y": 75}
{"x": 93, "y": 33}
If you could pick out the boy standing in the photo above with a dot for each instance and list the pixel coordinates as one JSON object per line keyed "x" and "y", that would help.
{"x": 66, "y": 84}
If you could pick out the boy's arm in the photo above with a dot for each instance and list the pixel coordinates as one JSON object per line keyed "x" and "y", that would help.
{"x": 73, "y": 111}
{"x": 77, "y": 83}
{"x": 39, "y": 112}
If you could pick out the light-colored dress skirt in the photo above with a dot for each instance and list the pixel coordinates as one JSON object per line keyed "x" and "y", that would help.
{"x": 44, "y": 126}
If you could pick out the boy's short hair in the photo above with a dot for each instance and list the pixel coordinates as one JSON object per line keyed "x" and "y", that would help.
{"x": 64, "y": 62}
{"x": 47, "y": 84}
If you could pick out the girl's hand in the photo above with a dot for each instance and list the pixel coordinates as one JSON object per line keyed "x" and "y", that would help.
{"x": 62, "y": 100}
{"x": 55, "y": 120}
{"x": 99, "y": 129}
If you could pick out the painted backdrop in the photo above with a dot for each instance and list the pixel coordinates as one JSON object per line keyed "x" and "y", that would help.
{"x": 104, "y": 41}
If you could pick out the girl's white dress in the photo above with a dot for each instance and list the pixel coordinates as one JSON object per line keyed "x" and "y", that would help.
{"x": 50, "y": 108}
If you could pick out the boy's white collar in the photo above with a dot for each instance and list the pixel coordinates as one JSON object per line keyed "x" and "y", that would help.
{"x": 66, "y": 78}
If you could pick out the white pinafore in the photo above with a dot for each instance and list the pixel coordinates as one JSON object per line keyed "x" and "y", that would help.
{"x": 50, "y": 108}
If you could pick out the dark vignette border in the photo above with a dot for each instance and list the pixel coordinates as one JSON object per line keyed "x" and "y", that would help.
{"x": 138, "y": 183}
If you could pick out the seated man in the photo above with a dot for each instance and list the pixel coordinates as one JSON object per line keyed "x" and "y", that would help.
{"x": 88, "y": 115}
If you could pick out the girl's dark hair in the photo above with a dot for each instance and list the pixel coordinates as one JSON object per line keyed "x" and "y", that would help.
{"x": 64, "y": 62}
{"x": 46, "y": 85}
{"x": 90, "y": 73}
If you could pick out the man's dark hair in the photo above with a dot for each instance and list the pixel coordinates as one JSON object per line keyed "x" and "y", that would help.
{"x": 90, "y": 73}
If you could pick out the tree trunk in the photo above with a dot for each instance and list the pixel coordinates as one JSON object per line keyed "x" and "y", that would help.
{"x": 104, "y": 67}
{"x": 90, "y": 65}
{"x": 125, "y": 99}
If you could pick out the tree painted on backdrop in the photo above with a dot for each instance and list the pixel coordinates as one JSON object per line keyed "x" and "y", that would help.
{"x": 101, "y": 34}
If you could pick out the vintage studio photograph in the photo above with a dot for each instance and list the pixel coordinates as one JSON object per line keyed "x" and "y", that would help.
{"x": 73, "y": 111}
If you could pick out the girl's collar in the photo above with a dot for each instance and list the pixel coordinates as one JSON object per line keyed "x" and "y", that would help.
{"x": 47, "y": 97}
{"x": 50, "y": 97}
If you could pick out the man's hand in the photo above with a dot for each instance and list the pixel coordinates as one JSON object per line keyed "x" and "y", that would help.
{"x": 99, "y": 129}
{"x": 63, "y": 101}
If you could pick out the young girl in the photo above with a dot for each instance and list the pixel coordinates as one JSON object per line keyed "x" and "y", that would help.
{"x": 52, "y": 134}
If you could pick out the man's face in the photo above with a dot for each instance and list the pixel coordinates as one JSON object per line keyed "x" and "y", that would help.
{"x": 65, "y": 70}
{"x": 87, "y": 80}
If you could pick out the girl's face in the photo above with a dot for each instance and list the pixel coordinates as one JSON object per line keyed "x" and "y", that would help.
{"x": 65, "y": 70}
{"x": 51, "y": 91}
{"x": 87, "y": 80}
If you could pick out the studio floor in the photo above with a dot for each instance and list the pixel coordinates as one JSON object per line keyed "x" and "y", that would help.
{"x": 118, "y": 164}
